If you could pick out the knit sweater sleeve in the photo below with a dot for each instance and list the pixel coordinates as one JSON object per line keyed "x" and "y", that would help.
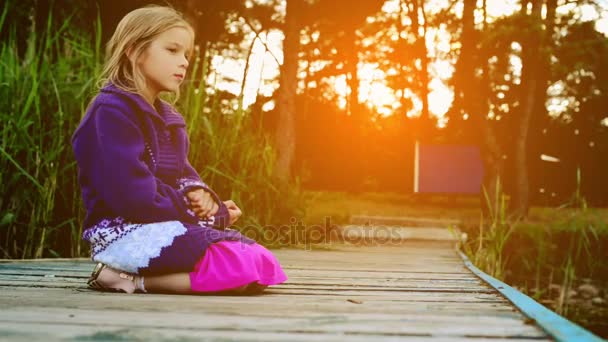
{"x": 191, "y": 180}
{"x": 109, "y": 150}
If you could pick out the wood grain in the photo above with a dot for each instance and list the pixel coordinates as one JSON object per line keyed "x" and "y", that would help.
{"x": 415, "y": 291}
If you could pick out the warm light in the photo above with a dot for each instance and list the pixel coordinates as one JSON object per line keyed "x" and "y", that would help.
{"x": 373, "y": 90}
{"x": 495, "y": 9}
{"x": 268, "y": 106}
{"x": 499, "y": 8}
{"x": 227, "y": 72}
{"x": 440, "y": 98}
{"x": 602, "y": 25}
{"x": 443, "y": 69}
{"x": 391, "y": 6}
{"x": 549, "y": 158}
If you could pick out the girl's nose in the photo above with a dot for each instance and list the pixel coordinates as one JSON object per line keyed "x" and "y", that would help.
{"x": 185, "y": 62}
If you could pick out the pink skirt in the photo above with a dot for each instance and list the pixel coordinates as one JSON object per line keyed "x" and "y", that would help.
{"x": 230, "y": 264}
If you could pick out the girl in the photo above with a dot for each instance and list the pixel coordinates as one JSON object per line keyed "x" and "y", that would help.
{"x": 153, "y": 224}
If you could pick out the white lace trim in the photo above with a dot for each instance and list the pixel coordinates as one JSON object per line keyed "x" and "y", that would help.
{"x": 134, "y": 250}
{"x": 185, "y": 183}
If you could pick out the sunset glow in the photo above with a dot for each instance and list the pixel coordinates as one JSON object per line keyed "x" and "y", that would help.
{"x": 374, "y": 91}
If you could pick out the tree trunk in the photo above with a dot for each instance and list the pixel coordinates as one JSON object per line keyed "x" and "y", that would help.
{"x": 534, "y": 88}
{"x": 352, "y": 61}
{"x": 528, "y": 90}
{"x": 521, "y": 167}
{"x": 420, "y": 50}
{"x": 540, "y": 115}
{"x": 286, "y": 134}
{"x": 424, "y": 64}
{"x": 465, "y": 72}
{"x": 401, "y": 28}
{"x": 471, "y": 96}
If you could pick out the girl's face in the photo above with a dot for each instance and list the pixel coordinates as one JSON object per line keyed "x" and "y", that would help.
{"x": 164, "y": 62}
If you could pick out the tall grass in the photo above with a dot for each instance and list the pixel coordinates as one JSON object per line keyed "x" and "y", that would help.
{"x": 487, "y": 252}
{"x": 43, "y": 95}
{"x": 237, "y": 157}
{"x": 536, "y": 254}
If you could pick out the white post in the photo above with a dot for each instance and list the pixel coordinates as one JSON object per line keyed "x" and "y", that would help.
{"x": 416, "y": 167}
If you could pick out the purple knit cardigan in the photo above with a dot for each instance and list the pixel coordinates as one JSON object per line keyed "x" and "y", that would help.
{"x": 133, "y": 162}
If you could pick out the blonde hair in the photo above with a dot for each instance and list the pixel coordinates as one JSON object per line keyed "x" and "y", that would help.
{"x": 134, "y": 33}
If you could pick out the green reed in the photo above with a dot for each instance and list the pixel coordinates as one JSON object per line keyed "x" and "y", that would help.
{"x": 583, "y": 243}
{"x": 44, "y": 92}
{"x": 534, "y": 253}
{"x": 236, "y": 156}
{"x": 487, "y": 247}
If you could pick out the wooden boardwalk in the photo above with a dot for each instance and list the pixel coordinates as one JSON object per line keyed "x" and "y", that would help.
{"x": 414, "y": 291}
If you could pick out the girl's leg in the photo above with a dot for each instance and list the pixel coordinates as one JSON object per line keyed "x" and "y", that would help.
{"x": 168, "y": 283}
{"x": 179, "y": 283}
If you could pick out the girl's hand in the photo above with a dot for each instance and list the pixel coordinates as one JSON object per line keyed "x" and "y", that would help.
{"x": 202, "y": 203}
{"x": 233, "y": 210}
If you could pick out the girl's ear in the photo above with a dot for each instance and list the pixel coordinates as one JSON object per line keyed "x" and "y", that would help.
{"x": 129, "y": 54}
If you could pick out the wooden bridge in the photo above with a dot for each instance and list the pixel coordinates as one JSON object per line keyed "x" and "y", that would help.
{"x": 414, "y": 290}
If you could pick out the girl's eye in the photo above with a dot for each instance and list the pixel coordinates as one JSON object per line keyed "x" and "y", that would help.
{"x": 172, "y": 50}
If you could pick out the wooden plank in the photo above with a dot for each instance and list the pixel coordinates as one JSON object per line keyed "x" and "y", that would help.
{"x": 444, "y": 249}
{"x": 294, "y": 272}
{"x": 393, "y": 270}
{"x": 408, "y": 282}
{"x": 339, "y": 257}
{"x": 294, "y": 276}
{"x": 359, "y": 284}
{"x": 24, "y": 332}
{"x": 45, "y": 273}
{"x": 302, "y": 275}
{"x": 397, "y": 265}
{"x": 373, "y": 274}
{"x": 376, "y": 289}
{"x": 413, "y": 325}
{"x": 210, "y": 312}
{"x": 402, "y": 264}
{"x": 441, "y": 248}
{"x": 49, "y": 284}
{"x": 43, "y": 260}
{"x": 20, "y": 296}
{"x": 403, "y": 220}
{"x": 456, "y": 270}
{"x": 398, "y": 262}
{"x": 80, "y": 266}
{"x": 394, "y": 234}
{"x": 304, "y": 257}
{"x": 40, "y": 279}
{"x": 370, "y": 268}
{"x": 404, "y": 294}
{"x": 401, "y": 296}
